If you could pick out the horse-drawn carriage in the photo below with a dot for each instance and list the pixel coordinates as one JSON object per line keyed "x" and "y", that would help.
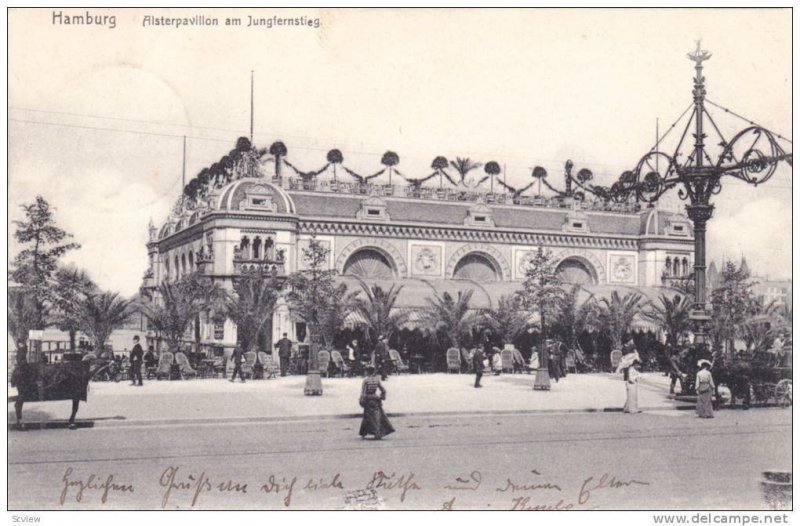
{"x": 760, "y": 378}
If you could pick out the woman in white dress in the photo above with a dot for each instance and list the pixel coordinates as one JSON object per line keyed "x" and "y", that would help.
{"x": 533, "y": 364}
{"x": 632, "y": 376}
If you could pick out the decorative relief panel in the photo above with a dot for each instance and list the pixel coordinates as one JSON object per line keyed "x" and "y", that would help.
{"x": 426, "y": 260}
{"x": 622, "y": 268}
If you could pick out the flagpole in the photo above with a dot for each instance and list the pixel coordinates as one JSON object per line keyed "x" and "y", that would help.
{"x": 252, "y": 75}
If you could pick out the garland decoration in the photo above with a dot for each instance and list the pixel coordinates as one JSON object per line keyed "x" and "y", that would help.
{"x": 360, "y": 178}
{"x": 306, "y": 176}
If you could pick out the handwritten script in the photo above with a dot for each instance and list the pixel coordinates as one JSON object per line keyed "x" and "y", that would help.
{"x": 531, "y": 491}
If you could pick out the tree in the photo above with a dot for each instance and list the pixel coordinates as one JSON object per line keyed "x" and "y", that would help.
{"x": 617, "y": 313}
{"x": 439, "y": 164}
{"x": 72, "y": 285}
{"x": 335, "y": 158}
{"x": 756, "y": 334}
{"x": 572, "y": 317}
{"x": 781, "y": 313}
{"x": 541, "y": 292}
{"x": 251, "y": 307}
{"x": 508, "y": 319}
{"x": 732, "y": 302}
{"x": 390, "y": 159}
{"x": 451, "y": 316}
{"x": 278, "y": 151}
{"x": 377, "y": 307}
{"x": 177, "y": 304}
{"x": 672, "y": 316}
{"x": 492, "y": 170}
{"x": 22, "y": 317}
{"x": 100, "y": 313}
{"x": 36, "y": 264}
{"x": 464, "y": 165}
{"x": 312, "y": 293}
{"x": 343, "y": 302}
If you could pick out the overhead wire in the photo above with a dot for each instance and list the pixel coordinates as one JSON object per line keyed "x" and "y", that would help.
{"x": 726, "y": 110}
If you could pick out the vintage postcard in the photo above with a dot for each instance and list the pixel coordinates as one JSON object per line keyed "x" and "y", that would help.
{"x": 400, "y": 259}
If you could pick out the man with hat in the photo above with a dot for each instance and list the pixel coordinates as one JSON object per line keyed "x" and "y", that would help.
{"x": 284, "y": 346}
{"x": 675, "y": 373}
{"x": 136, "y": 362}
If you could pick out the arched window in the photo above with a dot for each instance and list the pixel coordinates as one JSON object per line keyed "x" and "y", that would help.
{"x": 245, "y": 247}
{"x": 668, "y": 267}
{"x": 257, "y": 248}
{"x": 685, "y": 267}
{"x": 191, "y": 261}
{"x": 177, "y": 267}
{"x": 166, "y": 270}
{"x": 183, "y": 264}
{"x": 576, "y": 271}
{"x": 269, "y": 249}
{"x": 369, "y": 263}
{"x": 476, "y": 267}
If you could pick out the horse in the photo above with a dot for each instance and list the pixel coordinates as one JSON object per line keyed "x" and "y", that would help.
{"x": 38, "y": 382}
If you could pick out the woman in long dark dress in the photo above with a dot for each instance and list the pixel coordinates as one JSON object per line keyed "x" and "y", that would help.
{"x": 374, "y": 421}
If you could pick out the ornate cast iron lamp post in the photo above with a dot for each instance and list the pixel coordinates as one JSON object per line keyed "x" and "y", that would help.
{"x": 751, "y": 156}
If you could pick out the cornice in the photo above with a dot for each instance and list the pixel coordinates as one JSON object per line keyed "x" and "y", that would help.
{"x": 482, "y": 235}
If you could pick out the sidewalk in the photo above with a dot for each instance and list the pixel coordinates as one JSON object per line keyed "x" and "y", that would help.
{"x": 209, "y": 400}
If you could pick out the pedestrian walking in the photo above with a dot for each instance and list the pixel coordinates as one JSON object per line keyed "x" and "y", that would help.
{"x": 137, "y": 356}
{"x": 381, "y": 355}
{"x": 553, "y": 364}
{"x": 374, "y": 422}
{"x": 631, "y": 377}
{"x": 626, "y": 367}
{"x": 284, "y": 347}
{"x": 238, "y": 358}
{"x": 488, "y": 349}
{"x": 675, "y": 373}
{"x": 533, "y": 364}
{"x": 704, "y": 387}
{"x": 477, "y": 364}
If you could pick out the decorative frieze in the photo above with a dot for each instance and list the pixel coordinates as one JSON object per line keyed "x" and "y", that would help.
{"x": 466, "y": 235}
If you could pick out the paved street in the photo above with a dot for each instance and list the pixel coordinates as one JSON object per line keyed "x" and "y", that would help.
{"x": 664, "y": 459}
{"x": 282, "y": 398}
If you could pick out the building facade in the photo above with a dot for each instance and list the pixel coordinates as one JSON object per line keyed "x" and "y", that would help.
{"x": 426, "y": 238}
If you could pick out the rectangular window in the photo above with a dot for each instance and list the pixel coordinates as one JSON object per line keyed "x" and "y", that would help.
{"x": 373, "y": 212}
{"x": 577, "y": 225}
{"x": 480, "y": 219}
{"x": 258, "y": 202}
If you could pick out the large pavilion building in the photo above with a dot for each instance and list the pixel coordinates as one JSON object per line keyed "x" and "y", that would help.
{"x": 429, "y": 239}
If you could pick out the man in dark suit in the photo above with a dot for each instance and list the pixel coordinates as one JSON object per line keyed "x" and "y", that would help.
{"x": 136, "y": 361}
{"x": 488, "y": 348}
{"x": 382, "y": 362}
{"x": 477, "y": 364}
{"x": 238, "y": 358}
{"x": 284, "y": 347}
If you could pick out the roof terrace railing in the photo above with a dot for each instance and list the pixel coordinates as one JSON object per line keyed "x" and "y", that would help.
{"x": 452, "y": 194}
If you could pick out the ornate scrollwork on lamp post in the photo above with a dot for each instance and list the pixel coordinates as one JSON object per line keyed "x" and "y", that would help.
{"x": 751, "y": 156}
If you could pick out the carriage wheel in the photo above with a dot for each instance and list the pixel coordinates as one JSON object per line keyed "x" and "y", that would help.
{"x": 783, "y": 392}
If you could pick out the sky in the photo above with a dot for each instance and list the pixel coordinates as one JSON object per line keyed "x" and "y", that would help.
{"x": 97, "y": 114}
